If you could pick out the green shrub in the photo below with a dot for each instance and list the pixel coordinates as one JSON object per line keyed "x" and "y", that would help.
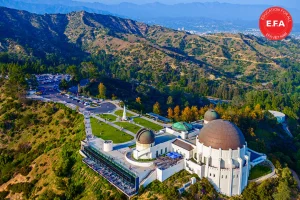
{"x": 3, "y": 194}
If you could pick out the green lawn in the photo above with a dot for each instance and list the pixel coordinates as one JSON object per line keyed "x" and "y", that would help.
{"x": 108, "y": 117}
{"x": 107, "y": 132}
{"x": 131, "y": 127}
{"x": 259, "y": 171}
{"x": 120, "y": 113}
{"x": 147, "y": 124}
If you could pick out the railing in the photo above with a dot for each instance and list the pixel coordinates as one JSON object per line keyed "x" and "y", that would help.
{"x": 110, "y": 160}
{"x": 148, "y": 175}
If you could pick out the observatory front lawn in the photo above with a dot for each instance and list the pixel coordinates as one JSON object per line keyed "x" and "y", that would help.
{"x": 107, "y": 132}
{"x": 147, "y": 124}
{"x": 120, "y": 113}
{"x": 259, "y": 171}
{"x": 108, "y": 117}
{"x": 131, "y": 127}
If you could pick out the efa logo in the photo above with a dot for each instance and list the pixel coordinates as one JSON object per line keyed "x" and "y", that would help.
{"x": 276, "y": 23}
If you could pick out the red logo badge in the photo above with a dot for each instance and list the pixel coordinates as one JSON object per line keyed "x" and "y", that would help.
{"x": 276, "y": 23}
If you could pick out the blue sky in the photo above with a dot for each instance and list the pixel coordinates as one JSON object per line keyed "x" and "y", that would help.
{"x": 285, "y": 3}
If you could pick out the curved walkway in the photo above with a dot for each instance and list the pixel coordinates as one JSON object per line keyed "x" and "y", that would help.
{"x": 265, "y": 177}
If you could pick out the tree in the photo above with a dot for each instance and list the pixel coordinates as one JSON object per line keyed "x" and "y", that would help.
{"x": 63, "y": 84}
{"x": 102, "y": 91}
{"x": 286, "y": 174}
{"x": 143, "y": 89}
{"x": 88, "y": 69}
{"x": 170, "y": 113}
{"x": 250, "y": 192}
{"x": 156, "y": 108}
{"x": 138, "y": 100}
{"x": 195, "y": 114}
{"x": 283, "y": 191}
{"x": 186, "y": 114}
{"x": 114, "y": 97}
{"x": 177, "y": 113}
{"x": 170, "y": 101}
{"x": 79, "y": 88}
{"x": 264, "y": 190}
{"x": 74, "y": 72}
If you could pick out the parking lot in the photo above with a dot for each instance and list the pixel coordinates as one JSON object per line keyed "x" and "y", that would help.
{"x": 48, "y": 85}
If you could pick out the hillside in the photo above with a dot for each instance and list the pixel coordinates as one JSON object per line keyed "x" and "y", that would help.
{"x": 75, "y": 37}
{"x": 39, "y": 158}
{"x": 39, "y": 155}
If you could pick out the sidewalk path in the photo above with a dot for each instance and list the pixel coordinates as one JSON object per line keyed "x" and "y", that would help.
{"x": 114, "y": 125}
{"x": 270, "y": 175}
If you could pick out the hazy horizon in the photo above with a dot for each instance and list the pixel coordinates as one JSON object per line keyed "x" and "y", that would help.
{"x": 286, "y": 3}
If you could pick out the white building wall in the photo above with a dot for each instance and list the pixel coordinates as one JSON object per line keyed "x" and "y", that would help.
{"x": 180, "y": 134}
{"x": 194, "y": 168}
{"x": 227, "y": 170}
{"x": 161, "y": 149}
{"x": 149, "y": 152}
{"x": 187, "y": 154}
{"x": 173, "y": 132}
{"x": 162, "y": 175}
{"x": 150, "y": 179}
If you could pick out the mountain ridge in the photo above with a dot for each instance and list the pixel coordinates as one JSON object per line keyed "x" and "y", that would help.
{"x": 64, "y": 38}
{"x": 152, "y": 10}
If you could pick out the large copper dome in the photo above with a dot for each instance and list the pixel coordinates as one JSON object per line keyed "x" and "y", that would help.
{"x": 221, "y": 134}
{"x": 145, "y": 136}
{"x": 211, "y": 115}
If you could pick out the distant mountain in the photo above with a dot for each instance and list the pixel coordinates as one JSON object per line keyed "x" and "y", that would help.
{"x": 53, "y": 7}
{"x": 61, "y": 38}
{"x": 213, "y": 10}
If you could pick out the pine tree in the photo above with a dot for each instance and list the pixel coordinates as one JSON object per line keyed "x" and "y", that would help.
{"x": 186, "y": 114}
{"x": 102, "y": 91}
{"x": 170, "y": 113}
{"x": 177, "y": 113}
{"x": 170, "y": 101}
{"x": 195, "y": 114}
{"x": 156, "y": 108}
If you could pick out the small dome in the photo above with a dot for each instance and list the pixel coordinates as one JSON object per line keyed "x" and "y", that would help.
{"x": 221, "y": 134}
{"x": 182, "y": 126}
{"x": 211, "y": 115}
{"x": 145, "y": 136}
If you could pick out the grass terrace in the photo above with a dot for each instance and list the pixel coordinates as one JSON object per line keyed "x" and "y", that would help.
{"x": 107, "y": 132}
{"x": 147, "y": 124}
{"x": 259, "y": 171}
{"x": 131, "y": 127}
{"x": 108, "y": 117}
{"x": 120, "y": 113}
